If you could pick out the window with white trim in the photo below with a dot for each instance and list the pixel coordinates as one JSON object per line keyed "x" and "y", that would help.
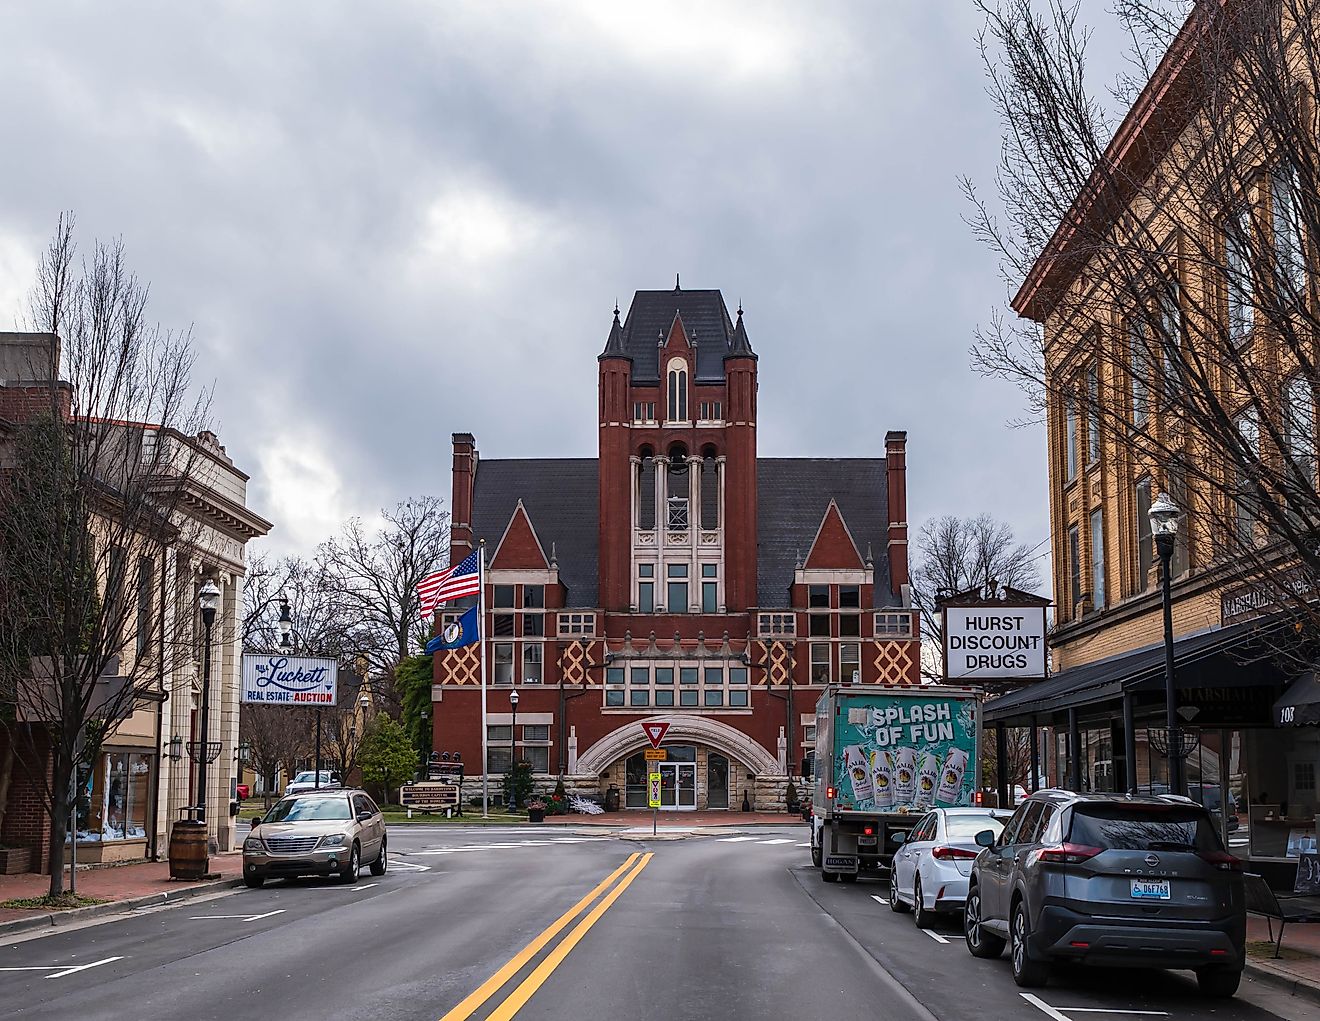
{"x": 678, "y": 390}
{"x": 577, "y": 625}
{"x": 893, "y": 624}
{"x": 533, "y": 665}
{"x": 535, "y": 746}
{"x": 776, "y": 625}
{"x": 820, "y": 662}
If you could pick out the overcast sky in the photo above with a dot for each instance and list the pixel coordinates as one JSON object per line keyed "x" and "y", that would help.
{"x": 389, "y": 222}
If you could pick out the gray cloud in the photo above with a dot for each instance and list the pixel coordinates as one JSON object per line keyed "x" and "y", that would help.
{"x": 388, "y": 223}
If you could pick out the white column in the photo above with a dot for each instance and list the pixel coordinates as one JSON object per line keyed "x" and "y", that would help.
{"x": 661, "y": 522}
{"x": 694, "y": 531}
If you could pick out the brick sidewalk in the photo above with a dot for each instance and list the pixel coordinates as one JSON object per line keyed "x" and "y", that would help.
{"x": 113, "y": 883}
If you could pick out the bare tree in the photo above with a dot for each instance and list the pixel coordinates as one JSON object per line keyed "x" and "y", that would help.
{"x": 276, "y": 737}
{"x": 1178, "y": 278}
{"x": 375, "y": 574}
{"x": 92, "y": 506}
{"x": 958, "y": 554}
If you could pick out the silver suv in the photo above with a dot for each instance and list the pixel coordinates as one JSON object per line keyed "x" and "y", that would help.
{"x": 322, "y": 833}
{"x": 1109, "y": 879}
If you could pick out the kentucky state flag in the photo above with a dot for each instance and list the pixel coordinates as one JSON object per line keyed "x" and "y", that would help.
{"x": 457, "y": 634}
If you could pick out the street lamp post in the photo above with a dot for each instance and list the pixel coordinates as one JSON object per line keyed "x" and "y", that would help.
{"x": 513, "y": 759}
{"x": 286, "y": 644}
{"x": 1164, "y": 526}
{"x": 209, "y": 601}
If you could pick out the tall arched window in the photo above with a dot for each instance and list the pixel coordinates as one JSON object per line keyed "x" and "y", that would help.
{"x": 678, "y": 390}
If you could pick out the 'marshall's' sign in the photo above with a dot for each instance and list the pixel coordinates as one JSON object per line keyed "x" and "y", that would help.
{"x": 290, "y": 680}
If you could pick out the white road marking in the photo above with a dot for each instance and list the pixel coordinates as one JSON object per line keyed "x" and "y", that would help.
{"x": 734, "y": 840}
{"x": 1058, "y": 1012}
{"x": 84, "y": 967}
{"x": 804, "y": 845}
{"x": 777, "y": 840}
{"x": 396, "y": 863}
{"x": 935, "y": 936}
{"x": 246, "y": 918}
{"x": 878, "y": 899}
{"x": 1044, "y": 1007}
{"x": 359, "y": 889}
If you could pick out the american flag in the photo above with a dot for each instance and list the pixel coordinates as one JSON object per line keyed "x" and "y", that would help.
{"x": 451, "y": 583}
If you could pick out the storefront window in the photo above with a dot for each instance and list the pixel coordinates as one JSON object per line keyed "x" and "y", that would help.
{"x": 114, "y": 797}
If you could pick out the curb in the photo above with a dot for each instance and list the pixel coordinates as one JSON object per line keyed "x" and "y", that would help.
{"x": 59, "y": 918}
{"x": 1268, "y": 975}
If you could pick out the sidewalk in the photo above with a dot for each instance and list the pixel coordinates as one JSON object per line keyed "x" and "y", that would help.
{"x": 1298, "y": 968}
{"x": 634, "y": 817}
{"x": 121, "y": 886}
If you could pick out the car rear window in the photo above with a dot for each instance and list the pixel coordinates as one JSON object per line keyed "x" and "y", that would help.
{"x": 966, "y": 827}
{"x": 1143, "y": 828}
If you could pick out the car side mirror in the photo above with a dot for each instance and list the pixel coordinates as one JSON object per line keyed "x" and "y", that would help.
{"x": 986, "y": 838}
{"x": 363, "y": 815}
{"x": 898, "y": 838}
{"x": 256, "y": 821}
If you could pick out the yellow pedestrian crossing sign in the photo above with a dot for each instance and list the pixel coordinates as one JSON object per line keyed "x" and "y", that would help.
{"x": 654, "y": 785}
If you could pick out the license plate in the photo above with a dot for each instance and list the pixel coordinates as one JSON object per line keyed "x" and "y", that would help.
{"x": 1150, "y": 889}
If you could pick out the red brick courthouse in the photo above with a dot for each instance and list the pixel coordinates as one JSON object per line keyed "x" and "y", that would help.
{"x": 676, "y": 576}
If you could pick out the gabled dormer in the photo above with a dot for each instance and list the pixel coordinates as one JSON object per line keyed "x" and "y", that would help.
{"x": 678, "y": 363}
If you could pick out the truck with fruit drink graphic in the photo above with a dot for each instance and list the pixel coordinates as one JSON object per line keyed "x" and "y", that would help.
{"x": 884, "y": 756}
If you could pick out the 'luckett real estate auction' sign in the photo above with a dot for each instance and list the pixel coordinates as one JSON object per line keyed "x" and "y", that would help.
{"x": 994, "y": 642}
{"x": 290, "y": 680}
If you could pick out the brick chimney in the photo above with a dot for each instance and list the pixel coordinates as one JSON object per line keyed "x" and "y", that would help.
{"x": 896, "y": 470}
{"x": 465, "y": 473}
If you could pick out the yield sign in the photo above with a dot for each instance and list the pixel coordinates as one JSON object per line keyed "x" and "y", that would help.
{"x": 655, "y": 732}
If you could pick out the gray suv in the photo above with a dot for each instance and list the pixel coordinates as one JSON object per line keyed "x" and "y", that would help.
{"x": 1109, "y": 879}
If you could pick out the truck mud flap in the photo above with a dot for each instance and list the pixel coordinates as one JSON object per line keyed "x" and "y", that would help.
{"x": 841, "y": 863}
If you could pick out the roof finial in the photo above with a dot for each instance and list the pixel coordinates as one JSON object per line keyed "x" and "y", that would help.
{"x": 616, "y": 308}
{"x": 676, "y": 287}
{"x": 797, "y": 556}
{"x": 660, "y": 339}
{"x": 554, "y": 557}
{"x": 740, "y": 308}
{"x": 870, "y": 561}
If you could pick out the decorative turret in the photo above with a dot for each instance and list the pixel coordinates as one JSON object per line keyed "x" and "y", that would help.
{"x": 614, "y": 345}
{"x": 739, "y": 345}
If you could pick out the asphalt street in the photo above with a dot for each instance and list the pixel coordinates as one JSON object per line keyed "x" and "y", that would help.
{"x": 560, "y": 925}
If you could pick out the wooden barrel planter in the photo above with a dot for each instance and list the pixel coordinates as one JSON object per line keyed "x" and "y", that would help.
{"x": 188, "y": 857}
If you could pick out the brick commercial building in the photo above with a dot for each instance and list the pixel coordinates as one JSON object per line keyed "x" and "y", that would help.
{"x": 677, "y": 576}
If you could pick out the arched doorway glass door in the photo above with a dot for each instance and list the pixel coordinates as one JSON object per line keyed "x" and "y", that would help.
{"x": 717, "y": 781}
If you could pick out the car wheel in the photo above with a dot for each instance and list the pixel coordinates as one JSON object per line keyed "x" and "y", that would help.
{"x": 1220, "y": 983}
{"x": 923, "y": 917}
{"x": 255, "y": 880}
{"x": 1027, "y": 973}
{"x": 350, "y": 873}
{"x": 980, "y": 941}
{"x": 896, "y": 903}
{"x": 381, "y": 863}
{"x": 829, "y": 877}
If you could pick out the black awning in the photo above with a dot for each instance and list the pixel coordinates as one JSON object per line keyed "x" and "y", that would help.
{"x": 1104, "y": 681}
{"x": 1300, "y": 704}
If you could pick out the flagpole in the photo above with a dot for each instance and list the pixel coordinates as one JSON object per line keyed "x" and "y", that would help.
{"x": 485, "y": 731}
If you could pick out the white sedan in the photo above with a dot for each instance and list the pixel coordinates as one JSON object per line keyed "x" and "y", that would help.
{"x": 931, "y": 867}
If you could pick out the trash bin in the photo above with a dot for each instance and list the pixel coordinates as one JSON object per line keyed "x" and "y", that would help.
{"x": 612, "y": 799}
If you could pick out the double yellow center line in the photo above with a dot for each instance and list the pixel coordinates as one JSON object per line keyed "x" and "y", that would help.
{"x": 523, "y": 992}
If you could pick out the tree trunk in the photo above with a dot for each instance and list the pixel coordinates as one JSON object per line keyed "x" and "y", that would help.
{"x": 59, "y": 829}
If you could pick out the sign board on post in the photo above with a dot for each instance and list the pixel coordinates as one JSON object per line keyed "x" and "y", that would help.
{"x": 655, "y": 732}
{"x": 994, "y": 642}
{"x": 655, "y": 754}
{"x": 290, "y": 680}
{"x": 654, "y": 785}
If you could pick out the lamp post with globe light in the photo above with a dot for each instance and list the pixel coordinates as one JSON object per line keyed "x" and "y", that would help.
{"x": 513, "y": 751}
{"x": 208, "y": 599}
{"x": 1164, "y": 526}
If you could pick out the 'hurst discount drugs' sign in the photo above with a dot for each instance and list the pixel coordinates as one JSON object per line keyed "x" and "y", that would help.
{"x": 994, "y": 642}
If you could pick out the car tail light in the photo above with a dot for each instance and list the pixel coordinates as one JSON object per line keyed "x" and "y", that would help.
{"x": 948, "y": 853}
{"x": 830, "y": 793}
{"x": 978, "y": 798}
{"x": 868, "y": 831}
{"x": 1221, "y": 860}
{"x": 1067, "y": 854}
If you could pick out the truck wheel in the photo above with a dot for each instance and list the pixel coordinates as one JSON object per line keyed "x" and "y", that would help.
{"x": 848, "y": 877}
{"x": 829, "y": 877}
{"x": 816, "y": 856}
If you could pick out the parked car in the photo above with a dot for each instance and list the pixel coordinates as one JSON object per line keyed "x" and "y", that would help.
{"x": 1109, "y": 879}
{"x": 1209, "y": 796}
{"x": 932, "y": 865}
{"x": 323, "y": 833}
{"x": 306, "y": 781}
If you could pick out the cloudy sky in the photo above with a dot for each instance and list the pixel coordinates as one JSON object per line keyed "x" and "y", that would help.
{"x": 388, "y": 222}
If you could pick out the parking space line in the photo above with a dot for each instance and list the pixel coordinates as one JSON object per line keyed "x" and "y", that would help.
{"x": 778, "y": 840}
{"x": 245, "y": 918}
{"x": 878, "y": 899}
{"x": 935, "y": 935}
{"x": 1061, "y": 1013}
{"x": 84, "y": 967}
{"x": 1044, "y": 1007}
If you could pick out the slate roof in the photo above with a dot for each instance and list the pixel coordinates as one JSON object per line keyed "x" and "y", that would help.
{"x": 705, "y": 316}
{"x": 562, "y": 500}
{"x": 792, "y": 494}
{"x": 561, "y": 497}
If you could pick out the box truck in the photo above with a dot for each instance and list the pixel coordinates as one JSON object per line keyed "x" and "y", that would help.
{"x": 884, "y": 756}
